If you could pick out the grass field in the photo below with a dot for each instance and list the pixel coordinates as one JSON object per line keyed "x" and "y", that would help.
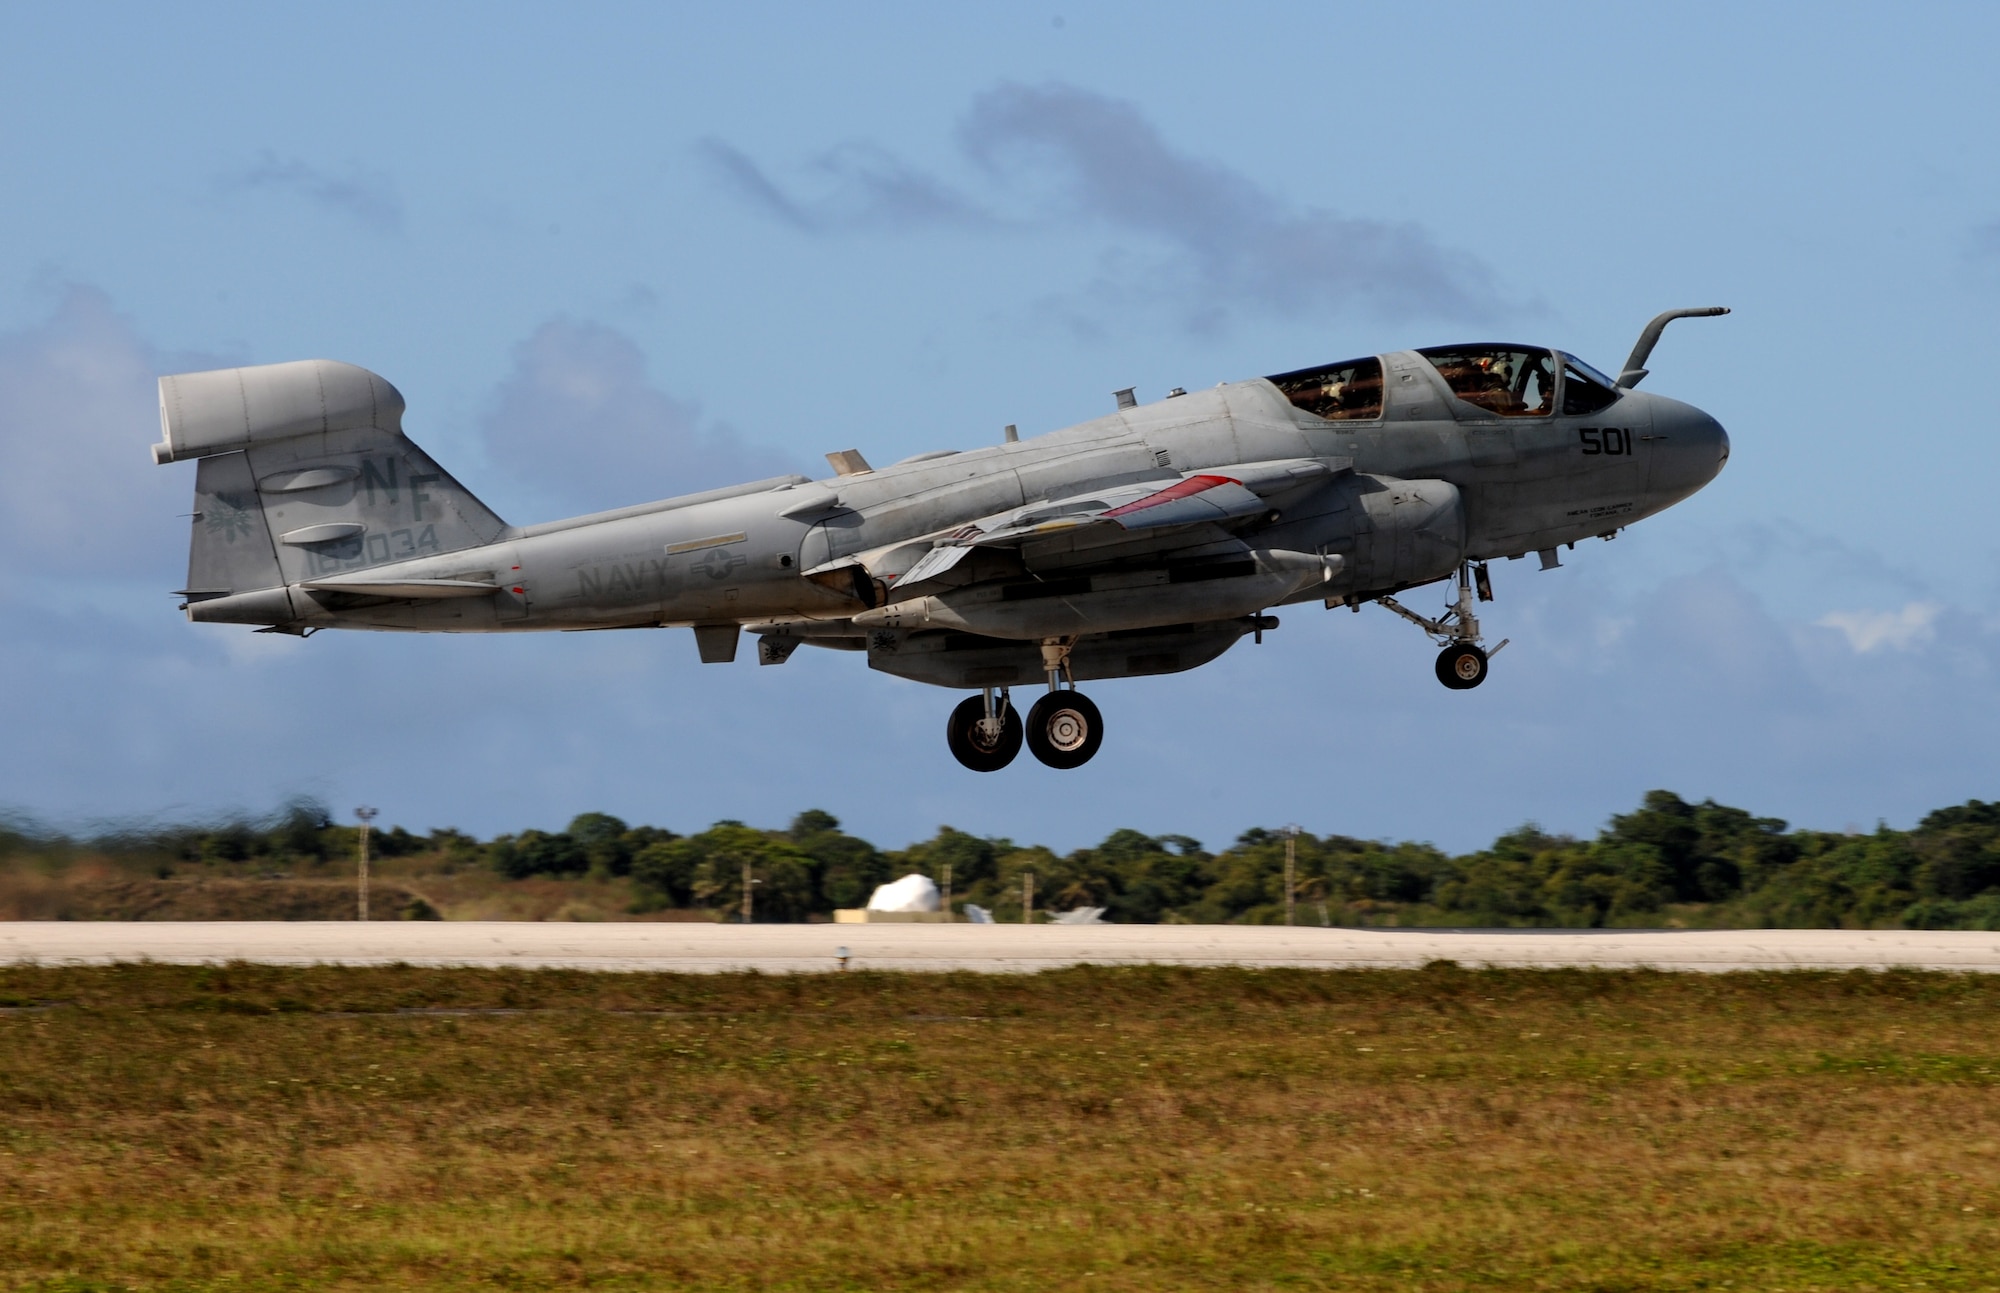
{"x": 251, "y": 1128}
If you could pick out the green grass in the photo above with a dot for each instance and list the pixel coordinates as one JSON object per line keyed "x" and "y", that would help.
{"x": 261, "y": 1128}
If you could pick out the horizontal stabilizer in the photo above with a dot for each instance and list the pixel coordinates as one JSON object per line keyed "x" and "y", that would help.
{"x": 423, "y": 589}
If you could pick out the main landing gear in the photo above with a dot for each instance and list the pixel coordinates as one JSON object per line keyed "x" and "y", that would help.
{"x": 1064, "y": 729}
{"x": 984, "y": 734}
{"x": 1461, "y": 665}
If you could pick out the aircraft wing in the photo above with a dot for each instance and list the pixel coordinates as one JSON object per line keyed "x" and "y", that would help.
{"x": 1216, "y": 497}
{"x": 1209, "y": 497}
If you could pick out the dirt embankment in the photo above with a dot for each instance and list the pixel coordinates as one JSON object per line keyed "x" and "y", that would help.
{"x": 203, "y": 898}
{"x": 97, "y": 889}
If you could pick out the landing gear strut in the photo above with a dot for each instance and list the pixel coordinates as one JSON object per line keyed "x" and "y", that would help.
{"x": 1461, "y": 666}
{"x": 984, "y": 733}
{"x": 1064, "y": 728}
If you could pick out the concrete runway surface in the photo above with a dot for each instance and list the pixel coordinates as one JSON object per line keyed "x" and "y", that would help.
{"x": 779, "y": 949}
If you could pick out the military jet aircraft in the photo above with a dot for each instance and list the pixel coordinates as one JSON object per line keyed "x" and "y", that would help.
{"x": 1148, "y": 541}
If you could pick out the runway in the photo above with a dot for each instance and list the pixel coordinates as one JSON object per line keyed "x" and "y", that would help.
{"x": 786, "y": 949}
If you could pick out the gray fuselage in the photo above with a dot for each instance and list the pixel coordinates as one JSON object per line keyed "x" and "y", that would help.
{"x": 1372, "y": 505}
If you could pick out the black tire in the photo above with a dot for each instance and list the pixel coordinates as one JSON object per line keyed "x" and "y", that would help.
{"x": 961, "y": 733}
{"x": 1461, "y": 667}
{"x": 1064, "y": 729}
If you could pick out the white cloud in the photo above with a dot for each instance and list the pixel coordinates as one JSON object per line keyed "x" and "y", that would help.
{"x": 78, "y": 408}
{"x": 580, "y": 420}
{"x": 1612, "y": 630}
{"x": 1869, "y": 631}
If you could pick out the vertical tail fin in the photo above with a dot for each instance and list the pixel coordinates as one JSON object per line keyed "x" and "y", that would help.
{"x": 305, "y": 472}
{"x": 231, "y": 551}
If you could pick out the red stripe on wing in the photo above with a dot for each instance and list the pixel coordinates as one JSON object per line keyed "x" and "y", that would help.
{"x": 1183, "y": 489}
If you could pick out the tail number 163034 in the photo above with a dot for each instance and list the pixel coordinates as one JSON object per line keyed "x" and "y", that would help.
{"x": 1607, "y": 440}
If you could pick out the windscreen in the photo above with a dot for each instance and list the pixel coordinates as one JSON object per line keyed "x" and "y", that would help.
{"x": 1585, "y": 390}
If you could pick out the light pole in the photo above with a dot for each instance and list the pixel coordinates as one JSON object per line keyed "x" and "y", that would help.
{"x": 947, "y": 891}
{"x": 1291, "y": 871}
{"x": 748, "y": 885}
{"x": 366, "y": 815}
{"x": 1027, "y": 897}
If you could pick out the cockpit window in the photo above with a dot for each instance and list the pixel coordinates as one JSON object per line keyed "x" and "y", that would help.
{"x": 1508, "y": 380}
{"x": 1590, "y": 372}
{"x": 1344, "y": 392}
{"x": 1585, "y": 390}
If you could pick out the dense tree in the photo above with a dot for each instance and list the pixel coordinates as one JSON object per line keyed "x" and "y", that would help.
{"x": 972, "y": 860}
{"x": 538, "y": 853}
{"x": 302, "y": 828}
{"x": 1958, "y": 851}
{"x": 706, "y": 870}
{"x": 602, "y": 839}
{"x": 1669, "y": 861}
{"x": 846, "y": 869}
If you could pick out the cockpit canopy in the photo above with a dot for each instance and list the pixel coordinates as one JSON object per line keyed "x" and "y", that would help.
{"x": 1344, "y": 392}
{"x": 1504, "y": 380}
{"x": 1510, "y": 381}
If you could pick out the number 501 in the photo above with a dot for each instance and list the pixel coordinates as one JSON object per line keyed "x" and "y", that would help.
{"x": 1611, "y": 440}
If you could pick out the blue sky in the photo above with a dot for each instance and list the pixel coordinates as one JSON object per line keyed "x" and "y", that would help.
{"x": 615, "y": 252}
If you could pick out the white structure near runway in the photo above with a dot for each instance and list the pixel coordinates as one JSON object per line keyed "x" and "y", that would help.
{"x": 702, "y": 948}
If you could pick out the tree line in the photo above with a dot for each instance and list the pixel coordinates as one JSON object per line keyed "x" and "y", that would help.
{"x": 1668, "y": 862}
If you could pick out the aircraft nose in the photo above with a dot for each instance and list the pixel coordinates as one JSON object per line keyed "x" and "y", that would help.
{"x": 1707, "y": 442}
{"x": 1695, "y": 445}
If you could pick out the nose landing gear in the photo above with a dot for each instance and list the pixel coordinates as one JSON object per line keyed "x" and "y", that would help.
{"x": 1461, "y": 666}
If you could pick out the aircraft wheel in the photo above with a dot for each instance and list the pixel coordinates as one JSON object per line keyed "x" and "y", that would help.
{"x": 1064, "y": 729}
{"x": 1461, "y": 666}
{"x": 975, "y": 750}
